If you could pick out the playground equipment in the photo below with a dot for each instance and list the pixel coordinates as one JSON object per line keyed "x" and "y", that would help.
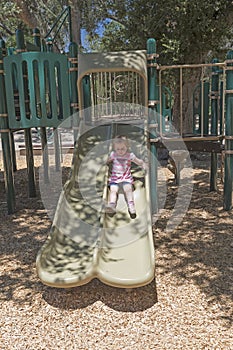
{"x": 38, "y": 90}
{"x": 85, "y": 242}
{"x": 211, "y": 127}
{"x": 110, "y": 90}
{"x": 36, "y": 98}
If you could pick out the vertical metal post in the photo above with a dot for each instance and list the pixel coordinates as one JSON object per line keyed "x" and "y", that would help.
{"x": 221, "y": 108}
{"x": 153, "y": 122}
{"x": 73, "y": 74}
{"x": 12, "y": 141}
{"x": 45, "y": 153}
{"x": 214, "y": 98}
{"x": 43, "y": 135}
{"x": 5, "y": 137}
{"x": 206, "y": 87}
{"x": 228, "y": 166}
{"x": 36, "y": 36}
{"x": 181, "y": 101}
{"x": 86, "y": 85}
{"x": 70, "y": 22}
{"x": 214, "y": 124}
{"x": 13, "y": 151}
{"x": 57, "y": 151}
{"x": 27, "y": 132}
{"x": 49, "y": 44}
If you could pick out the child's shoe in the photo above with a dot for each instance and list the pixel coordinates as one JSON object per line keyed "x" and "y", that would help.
{"x": 110, "y": 209}
{"x": 132, "y": 210}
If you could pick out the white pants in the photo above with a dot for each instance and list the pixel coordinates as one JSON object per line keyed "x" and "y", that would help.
{"x": 127, "y": 188}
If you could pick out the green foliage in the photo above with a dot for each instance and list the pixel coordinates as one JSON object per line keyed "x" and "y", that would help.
{"x": 10, "y": 21}
{"x": 29, "y": 14}
{"x": 186, "y": 31}
{"x": 105, "y": 42}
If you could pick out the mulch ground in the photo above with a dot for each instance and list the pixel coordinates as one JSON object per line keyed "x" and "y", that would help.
{"x": 188, "y": 306}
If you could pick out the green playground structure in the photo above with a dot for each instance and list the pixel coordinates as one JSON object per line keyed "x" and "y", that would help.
{"x": 98, "y": 96}
{"x": 38, "y": 90}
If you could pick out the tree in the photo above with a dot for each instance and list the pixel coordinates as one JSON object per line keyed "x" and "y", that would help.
{"x": 186, "y": 31}
{"x": 180, "y": 27}
{"x": 42, "y": 14}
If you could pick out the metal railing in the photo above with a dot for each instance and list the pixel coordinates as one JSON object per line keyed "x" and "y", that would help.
{"x": 207, "y": 72}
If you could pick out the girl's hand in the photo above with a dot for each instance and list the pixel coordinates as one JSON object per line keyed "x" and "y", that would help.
{"x": 145, "y": 166}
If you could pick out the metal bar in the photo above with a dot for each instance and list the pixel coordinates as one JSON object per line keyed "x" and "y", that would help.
{"x": 73, "y": 63}
{"x": 57, "y": 149}
{"x": 5, "y": 139}
{"x": 160, "y": 104}
{"x": 202, "y": 101}
{"x": 57, "y": 20}
{"x": 221, "y": 64}
{"x": 181, "y": 100}
{"x": 27, "y": 132}
{"x": 153, "y": 95}
{"x": 228, "y": 164}
{"x": 190, "y": 138}
{"x": 43, "y": 138}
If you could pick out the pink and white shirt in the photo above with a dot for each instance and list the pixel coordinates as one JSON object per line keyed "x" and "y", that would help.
{"x": 121, "y": 167}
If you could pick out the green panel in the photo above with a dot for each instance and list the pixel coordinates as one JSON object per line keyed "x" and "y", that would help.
{"x": 47, "y": 88}
{"x": 52, "y": 87}
{"x": 42, "y": 74}
{"x": 32, "y": 89}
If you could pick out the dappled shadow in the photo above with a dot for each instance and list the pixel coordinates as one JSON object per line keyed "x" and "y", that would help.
{"x": 68, "y": 256}
{"x": 25, "y": 232}
{"x": 82, "y": 242}
{"x": 22, "y": 235}
{"x": 200, "y": 249}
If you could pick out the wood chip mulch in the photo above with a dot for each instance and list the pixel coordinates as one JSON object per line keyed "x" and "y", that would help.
{"x": 188, "y": 306}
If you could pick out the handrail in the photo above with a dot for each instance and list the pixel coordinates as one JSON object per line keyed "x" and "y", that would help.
{"x": 65, "y": 13}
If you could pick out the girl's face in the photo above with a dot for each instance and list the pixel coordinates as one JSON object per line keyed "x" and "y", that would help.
{"x": 120, "y": 148}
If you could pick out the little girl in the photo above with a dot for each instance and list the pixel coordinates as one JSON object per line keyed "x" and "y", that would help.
{"x": 121, "y": 175}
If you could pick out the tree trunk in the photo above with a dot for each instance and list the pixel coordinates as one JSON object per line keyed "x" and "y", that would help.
{"x": 26, "y": 15}
{"x": 76, "y": 22}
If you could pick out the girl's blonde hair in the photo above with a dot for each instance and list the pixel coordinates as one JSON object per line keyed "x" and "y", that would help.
{"x": 121, "y": 139}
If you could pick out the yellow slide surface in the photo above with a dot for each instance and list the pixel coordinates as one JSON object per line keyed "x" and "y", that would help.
{"x": 84, "y": 242}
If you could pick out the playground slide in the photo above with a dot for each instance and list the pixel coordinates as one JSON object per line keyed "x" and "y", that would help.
{"x": 84, "y": 242}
